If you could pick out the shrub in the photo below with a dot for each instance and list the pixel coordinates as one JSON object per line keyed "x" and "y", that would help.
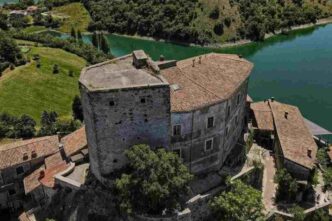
{"x": 55, "y": 69}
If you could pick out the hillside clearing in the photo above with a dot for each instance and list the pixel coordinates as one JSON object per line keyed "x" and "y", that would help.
{"x": 72, "y": 15}
{"x": 31, "y": 90}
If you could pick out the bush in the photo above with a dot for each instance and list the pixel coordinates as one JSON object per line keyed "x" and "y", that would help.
{"x": 55, "y": 69}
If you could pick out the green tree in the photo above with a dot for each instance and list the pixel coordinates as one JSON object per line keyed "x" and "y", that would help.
{"x": 55, "y": 69}
{"x": 73, "y": 33}
{"x": 48, "y": 123}
{"x": 240, "y": 202}
{"x": 9, "y": 51}
{"x": 79, "y": 35}
{"x": 298, "y": 213}
{"x": 95, "y": 40}
{"x": 77, "y": 109}
{"x": 25, "y": 127}
{"x": 327, "y": 175}
{"x": 287, "y": 185}
{"x": 3, "y": 21}
{"x": 104, "y": 45}
{"x": 157, "y": 181}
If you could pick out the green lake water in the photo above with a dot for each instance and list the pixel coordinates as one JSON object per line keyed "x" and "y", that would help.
{"x": 295, "y": 69}
{"x": 8, "y": 1}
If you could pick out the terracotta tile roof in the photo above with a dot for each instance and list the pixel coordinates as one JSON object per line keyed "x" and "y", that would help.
{"x": 53, "y": 160}
{"x": 13, "y": 154}
{"x": 48, "y": 179}
{"x": 294, "y": 135}
{"x": 210, "y": 81}
{"x": 263, "y": 115}
{"x": 54, "y": 165}
{"x": 31, "y": 182}
{"x": 74, "y": 142}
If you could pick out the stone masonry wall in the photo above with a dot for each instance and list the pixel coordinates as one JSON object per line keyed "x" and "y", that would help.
{"x": 194, "y": 132}
{"x": 116, "y": 120}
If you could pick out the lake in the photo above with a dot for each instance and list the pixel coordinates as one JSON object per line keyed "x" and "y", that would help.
{"x": 7, "y": 1}
{"x": 295, "y": 69}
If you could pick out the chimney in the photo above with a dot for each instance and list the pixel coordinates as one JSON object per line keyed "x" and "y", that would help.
{"x": 41, "y": 174}
{"x": 286, "y": 115}
{"x": 272, "y": 99}
{"x": 25, "y": 156}
{"x": 59, "y": 136}
{"x": 200, "y": 60}
{"x": 139, "y": 59}
{"x": 309, "y": 153}
{"x": 161, "y": 58}
{"x": 33, "y": 154}
{"x": 193, "y": 62}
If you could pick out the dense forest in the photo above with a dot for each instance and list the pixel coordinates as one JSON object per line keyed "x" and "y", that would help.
{"x": 203, "y": 21}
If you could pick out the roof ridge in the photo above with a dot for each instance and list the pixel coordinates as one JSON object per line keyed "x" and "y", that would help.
{"x": 38, "y": 139}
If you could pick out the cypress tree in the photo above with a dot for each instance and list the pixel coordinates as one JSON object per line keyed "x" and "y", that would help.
{"x": 73, "y": 33}
{"x": 95, "y": 40}
{"x": 104, "y": 45}
{"x": 79, "y": 35}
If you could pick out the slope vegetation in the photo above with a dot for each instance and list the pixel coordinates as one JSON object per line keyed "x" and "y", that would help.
{"x": 203, "y": 21}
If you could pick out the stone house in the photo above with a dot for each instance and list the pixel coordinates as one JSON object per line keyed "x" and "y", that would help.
{"x": 75, "y": 146}
{"x": 17, "y": 160}
{"x": 293, "y": 143}
{"x": 195, "y": 107}
{"x": 40, "y": 184}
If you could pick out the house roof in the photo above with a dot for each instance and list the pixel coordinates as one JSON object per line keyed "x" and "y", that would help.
{"x": 75, "y": 142}
{"x": 31, "y": 182}
{"x": 21, "y": 151}
{"x": 295, "y": 138}
{"x": 44, "y": 175}
{"x": 53, "y": 160}
{"x": 212, "y": 79}
{"x": 263, "y": 115}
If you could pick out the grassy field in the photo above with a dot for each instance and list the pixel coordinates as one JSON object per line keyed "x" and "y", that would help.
{"x": 29, "y": 90}
{"x": 73, "y": 15}
{"x": 33, "y": 29}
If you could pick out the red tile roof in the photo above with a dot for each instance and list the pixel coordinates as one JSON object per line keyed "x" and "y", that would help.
{"x": 31, "y": 182}
{"x": 53, "y": 160}
{"x": 44, "y": 175}
{"x": 263, "y": 115}
{"x": 13, "y": 154}
{"x": 213, "y": 79}
{"x": 294, "y": 135}
{"x": 74, "y": 142}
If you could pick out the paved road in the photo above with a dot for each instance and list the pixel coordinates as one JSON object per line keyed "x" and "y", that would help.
{"x": 269, "y": 187}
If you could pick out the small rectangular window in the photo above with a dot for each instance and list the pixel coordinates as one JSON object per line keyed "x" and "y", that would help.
{"x": 238, "y": 99}
{"x": 209, "y": 144}
{"x": 19, "y": 170}
{"x": 177, "y": 130}
{"x": 228, "y": 111}
{"x": 210, "y": 122}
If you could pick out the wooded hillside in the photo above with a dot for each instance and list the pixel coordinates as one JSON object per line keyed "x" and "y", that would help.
{"x": 203, "y": 21}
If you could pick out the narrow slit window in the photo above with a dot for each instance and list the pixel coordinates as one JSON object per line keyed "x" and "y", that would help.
{"x": 177, "y": 130}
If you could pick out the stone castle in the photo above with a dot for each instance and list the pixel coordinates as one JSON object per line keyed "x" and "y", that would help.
{"x": 194, "y": 107}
